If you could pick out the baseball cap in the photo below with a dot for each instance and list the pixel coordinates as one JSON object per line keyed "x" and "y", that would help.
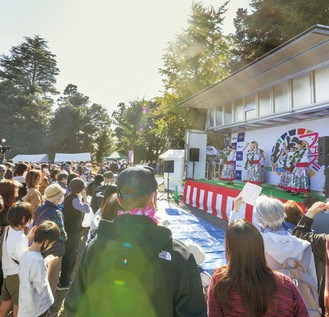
{"x": 140, "y": 179}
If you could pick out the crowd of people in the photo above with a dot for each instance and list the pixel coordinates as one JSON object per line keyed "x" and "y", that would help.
{"x": 131, "y": 265}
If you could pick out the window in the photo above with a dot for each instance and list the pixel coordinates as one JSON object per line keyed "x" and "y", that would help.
{"x": 238, "y": 110}
{"x": 264, "y": 99}
{"x": 281, "y": 98}
{"x": 322, "y": 84}
{"x": 250, "y": 107}
{"x": 219, "y": 116}
{"x": 301, "y": 89}
{"x": 228, "y": 113}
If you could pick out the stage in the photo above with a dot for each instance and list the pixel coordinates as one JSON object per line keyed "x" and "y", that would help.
{"x": 216, "y": 197}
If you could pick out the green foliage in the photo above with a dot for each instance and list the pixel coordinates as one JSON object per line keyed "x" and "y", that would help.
{"x": 30, "y": 67}
{"x": 77, "y": 127}
{"x": 197, "y": 59}
{"x": 136, "y": 129}
{"x": 271, "y": 23}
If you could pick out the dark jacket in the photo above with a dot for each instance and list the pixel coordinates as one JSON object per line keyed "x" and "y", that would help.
{"x": 318, "y": 242}
{"x": 72, "y": 217}
{"x": 134, "y": 268}
{"x": 49, "y": 211}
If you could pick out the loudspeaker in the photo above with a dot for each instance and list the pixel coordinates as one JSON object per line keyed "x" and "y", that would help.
{"x": 323, "y": 148}
{"x": 194, "y": 154}
{"x": 168, "y": 166}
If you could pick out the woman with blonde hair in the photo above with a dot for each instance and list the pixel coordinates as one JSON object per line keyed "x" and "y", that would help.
{"x": 253, "y": 171}
{"x": 246, "y": 286}
{"x": 33, "y": 196}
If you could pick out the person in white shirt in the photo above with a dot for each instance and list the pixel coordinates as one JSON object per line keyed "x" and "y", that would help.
{"x": 35, "y": 295}
{"x": 14, "y": 244}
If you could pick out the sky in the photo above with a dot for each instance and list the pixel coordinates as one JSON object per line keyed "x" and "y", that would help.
{"x": 110, "y": 49}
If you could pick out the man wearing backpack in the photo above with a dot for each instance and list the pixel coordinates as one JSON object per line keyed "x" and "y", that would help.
{"x": 133, "y": 267}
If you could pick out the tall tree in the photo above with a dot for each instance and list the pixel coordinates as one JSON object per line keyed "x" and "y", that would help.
{"x": 30, "y": 67}
{"x": 271, "y": 23}
{"x": 136, "y": 129}
{"x": 198, "y": 58}
{"x": 78, "y": 127}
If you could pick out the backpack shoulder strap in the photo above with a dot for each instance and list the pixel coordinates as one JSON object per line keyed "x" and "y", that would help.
{"x": 40, "y": 215}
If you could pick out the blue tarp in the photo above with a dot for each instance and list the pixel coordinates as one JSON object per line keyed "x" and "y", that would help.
{"x": 188, "y": 228}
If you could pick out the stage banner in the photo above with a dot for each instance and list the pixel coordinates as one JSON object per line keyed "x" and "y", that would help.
{"x": 271, "y": 141}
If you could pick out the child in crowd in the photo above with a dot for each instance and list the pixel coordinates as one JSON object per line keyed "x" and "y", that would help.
{"x": 35, "y": 295}
{"x": 14, "y": 244}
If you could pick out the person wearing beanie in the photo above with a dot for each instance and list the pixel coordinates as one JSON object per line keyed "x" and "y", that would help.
{"x": 133, "y": 267}
{"x": 75, "y": 207}
{"x": 54, "y": 195}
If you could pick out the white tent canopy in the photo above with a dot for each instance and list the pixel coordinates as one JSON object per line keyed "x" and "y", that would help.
{"x": 31, "y": 158}
{"x": 64, "y": 157}
{"x": 172, "y": 155}
{"x": 176, "y": 178}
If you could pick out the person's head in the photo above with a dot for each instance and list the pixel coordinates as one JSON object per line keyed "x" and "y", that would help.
{"x": 21, "y": 169}
{"x": 111, "y": 207}
{"x": 72, "y": 176}
{"x": 229, "y": 147}
{"x": 20, "y": 214}
{"x": 62, "y": 177}
{"x": 244, "y": 245}
{"x": 246, "y": 271}
{"x": 44, "y": 167}
{"x": 293, "y": 212}
{"x": 3, "y": 170}
{"x": 109, "y": 191}
{"x": 77, "y": 185}
{"x": 269, "y": 212}
{"x": 9, "y": 192}
{"x": 54, "y": 173}
{"x": 55, "y": 194}
{"x": 253, "y": 145}
{"x": 136, "y": 188}
{"x": 46, "y": 234}
{"x": 98, "y": 179}
{"x": 33, "y": 178}
{"x": 309, "y": 201}
{"x": 108, "y": 177}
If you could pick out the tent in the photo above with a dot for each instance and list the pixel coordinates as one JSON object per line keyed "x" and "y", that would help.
{"x": 115, "y": 156}
{"x": 31, "y": 158}
{"x": 64, "y": 157}
{"x": 175, "y": 178}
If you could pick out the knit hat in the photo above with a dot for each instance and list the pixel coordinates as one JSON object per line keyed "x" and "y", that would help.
{"x": 108, "y": 175}
{"x": 77, "y": 185}
{"x": 140, "y": 179}
{"x": 54, "y": 192}
{"x": 197, "y": 252}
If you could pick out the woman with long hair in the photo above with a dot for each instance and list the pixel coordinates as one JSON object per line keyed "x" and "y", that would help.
{"x": 253, "y": 173}
{"x": 228, "y": 171}
{"x": 246, "y": 286}
{"x": 33, "y": 196}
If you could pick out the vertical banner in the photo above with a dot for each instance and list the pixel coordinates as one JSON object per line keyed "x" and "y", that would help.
{"x": 238, "y": 142}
